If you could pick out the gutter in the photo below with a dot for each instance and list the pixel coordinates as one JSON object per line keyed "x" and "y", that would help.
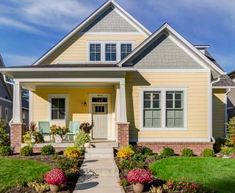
{"x": 226, "y": 111}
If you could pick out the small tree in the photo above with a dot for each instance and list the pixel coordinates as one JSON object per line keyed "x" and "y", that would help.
{"x": 231, "y": 132}
{"x": 4, "y": 138}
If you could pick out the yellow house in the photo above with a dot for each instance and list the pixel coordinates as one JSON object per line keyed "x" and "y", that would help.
{"x": 154, "y": 89}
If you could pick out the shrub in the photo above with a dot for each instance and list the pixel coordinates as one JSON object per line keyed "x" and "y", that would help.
{"x": 82, "y": 138}
{"x": 38, "y": 186}
{"x": 26, "y": 151}
{"x": 138, "y": 157}
{"x": 208, "y": 153}
{"x": 47, "y": 150}
{"x": 4, "y": 138}
{"x": 231, "y": 132}
{"x": 55, "y": 177}
{"x": 67, "y": 165}
{"x": 5, "y": 150}
{"x": 167, "y": 152}
{"x": 152, "y": 158}
{"x": 143, "y": 150}
{"x": 225, "y": 150}
{"x": 218, "y": 143}
{"x": 125, "y": 152}
{"x": 123, "y": 182}
{"x": 72, "y": 152}
{"x": 139, "y": 176}
{"x": 129, "y": 164}
{"x": 187, "y": 152}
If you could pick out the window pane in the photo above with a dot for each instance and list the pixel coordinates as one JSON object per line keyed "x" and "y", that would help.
{"x": 62, "y": 103}
{"x": 178, "y": 104}
{"x": 148, "y": 123}
{"x": 170, "y": 114}
{"x": 179, "y": 123}
{"x": 157, "y": 114}
{"x": 125, "y": 50}
{"x": 95, "y": 52}
{"x": 110, "y": 52}
{"x": 148, "y": 114}
{"x": 54, "y": 114}
{"x": 179, "y": 114}
{"x": 170, "y": 122}
{"x": 157, "y": 123}
{"x": 178, "y": 95}
{"x": 147, "y": 104}
{"x": 169, "y": 104}
{"x": 169, "y": 95}
{"x": 147, "y": 95}
{"x": 156, "y": 104}
{"x": 156, "y": 96}
{"x": 54, "y": 103}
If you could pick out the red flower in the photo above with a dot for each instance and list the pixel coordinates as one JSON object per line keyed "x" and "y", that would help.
{"x": 139, "y": 176}
{"x": 55, "y": 177}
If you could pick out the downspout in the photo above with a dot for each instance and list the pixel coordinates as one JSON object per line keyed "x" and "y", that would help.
{"x": 226, "y": 111}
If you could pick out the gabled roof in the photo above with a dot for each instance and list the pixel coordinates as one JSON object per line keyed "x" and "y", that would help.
{"x": 166, "y": 27}
{"x": 224, "y": 81}
{"x": 89, "y": 19}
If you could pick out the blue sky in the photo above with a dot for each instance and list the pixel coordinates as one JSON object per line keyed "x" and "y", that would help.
{"x": 28, "y": 28}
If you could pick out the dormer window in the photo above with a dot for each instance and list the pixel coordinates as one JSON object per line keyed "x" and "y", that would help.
{"x": 95, "y": 52}
{"x": 110, "y": 52}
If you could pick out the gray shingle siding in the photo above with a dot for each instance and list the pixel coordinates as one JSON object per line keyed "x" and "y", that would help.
{"x": 164, "y": 54}
{"x": 110, "y": 21}
{"x": 3, "y": 106}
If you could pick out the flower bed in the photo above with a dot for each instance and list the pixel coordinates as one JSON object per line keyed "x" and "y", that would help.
{"x": 134, "y": 166}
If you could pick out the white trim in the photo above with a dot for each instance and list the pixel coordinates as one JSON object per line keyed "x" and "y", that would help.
{"x": 30, "y": 106}
{"x": 102, "y": 44}
{"x": 61, "y": 69}
{"x": 210, "y": 110}
{"x": 65, "y": 80}
{"x": 92, "y": 16}
{"x": 163, "y": 91}
{"x": 226, "y": 111}
{"x": 110, "y": 33}
{"x": 222, "y": 87}
{"x": 156, "y": 139}
{"x": 178, "y": 36}
{"x": 172, "y": 70}
{"x": 64, "y": 96}
{"x": 5, "y": 100}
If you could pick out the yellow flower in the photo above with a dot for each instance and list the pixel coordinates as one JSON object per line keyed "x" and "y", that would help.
{"x": 125, "y": 152}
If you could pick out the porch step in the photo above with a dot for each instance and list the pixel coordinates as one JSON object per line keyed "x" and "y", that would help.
{"x": 99, "y": 150}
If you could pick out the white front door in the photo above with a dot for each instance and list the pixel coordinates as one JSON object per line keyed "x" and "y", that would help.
{"x": 100, "y": 119}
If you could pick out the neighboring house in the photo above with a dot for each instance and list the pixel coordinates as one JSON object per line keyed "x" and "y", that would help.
{"x": 154, "y": 89}
{"x": 231, "y": 98}
{"x": 6, "y": 94}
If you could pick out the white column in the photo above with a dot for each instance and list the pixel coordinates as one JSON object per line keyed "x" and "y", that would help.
{"x": 122, "y": 102}
{"x": 17, "y": 103}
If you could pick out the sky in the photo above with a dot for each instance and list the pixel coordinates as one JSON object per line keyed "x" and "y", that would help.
{"x": 28, "y": 28}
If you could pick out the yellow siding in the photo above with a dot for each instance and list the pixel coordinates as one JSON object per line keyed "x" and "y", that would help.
{"x": 76, "y": 97}
{"x": 197, "y": 93}
{"x": 76, "y": 48}
{"x": 218, "y": 122}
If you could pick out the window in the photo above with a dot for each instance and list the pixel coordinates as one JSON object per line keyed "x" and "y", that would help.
{"x": 95, "y": 52}
{"x": 125, "y": 50}
{"x": 152, "y": 109}
{"x": 110, "y": 52}
{"x": 174, "y": 109}
{"x": 58, "y": 108}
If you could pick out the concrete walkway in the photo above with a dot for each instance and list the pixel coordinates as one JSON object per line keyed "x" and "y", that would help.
{"x": 99, "y": 173}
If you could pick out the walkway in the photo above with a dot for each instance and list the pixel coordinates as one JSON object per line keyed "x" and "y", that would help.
{"x": 99, "y": 173}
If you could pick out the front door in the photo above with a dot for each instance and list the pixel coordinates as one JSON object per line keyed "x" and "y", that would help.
{"x": 100, "y": 118}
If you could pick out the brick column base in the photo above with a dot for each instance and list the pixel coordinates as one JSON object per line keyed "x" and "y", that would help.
{"x": 123, "y": 134}
{"x": 16, "y": 137}
{"x": 197, "y": 147}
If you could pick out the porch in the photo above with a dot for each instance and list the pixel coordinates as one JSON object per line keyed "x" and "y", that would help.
{"x": 98, "y": 100}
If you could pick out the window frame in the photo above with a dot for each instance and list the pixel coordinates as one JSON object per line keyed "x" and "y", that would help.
{"x": 126, "y": 49}
{"x": 111, "y": 53}
{"x": 163, "y": 108}
{"x": 103, "y": 53}
{"x": 58, "y": 96}
{"x": 95, "y": 52}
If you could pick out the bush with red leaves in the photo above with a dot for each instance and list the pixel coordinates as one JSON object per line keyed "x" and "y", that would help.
{"x": 55, "y": 177}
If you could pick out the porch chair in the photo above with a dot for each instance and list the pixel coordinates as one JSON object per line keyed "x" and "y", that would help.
{"x": 73, "y": 129}
{"x": 44, "y": 128}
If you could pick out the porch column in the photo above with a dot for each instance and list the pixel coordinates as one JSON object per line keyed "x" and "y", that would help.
{"x": 123, "y": 125}
{"x": 16, "y": 124}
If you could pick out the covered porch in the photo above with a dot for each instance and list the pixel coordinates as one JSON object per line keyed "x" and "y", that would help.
{"x": 98, "y": 98}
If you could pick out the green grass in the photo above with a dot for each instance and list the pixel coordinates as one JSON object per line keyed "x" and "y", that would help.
{"x": 14, "y": 172}
{"x": 214, "y": 173}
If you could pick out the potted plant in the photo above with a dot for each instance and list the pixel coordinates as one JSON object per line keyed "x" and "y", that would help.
{"x": 138, "y": 177}
{"x": 55, "y": 178}
{"x": 58, "y": 132}
{"x": 83, "y": 139}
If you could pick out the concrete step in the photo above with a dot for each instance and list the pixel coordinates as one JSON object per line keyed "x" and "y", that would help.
{"x": 98, "y": 156}
{"x": 105, "y": 145}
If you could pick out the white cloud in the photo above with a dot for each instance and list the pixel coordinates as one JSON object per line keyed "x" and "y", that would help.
{"x": 19, "y": 25}
{"x": 11, "y": 59}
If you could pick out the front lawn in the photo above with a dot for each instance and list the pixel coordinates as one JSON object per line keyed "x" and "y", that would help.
{"x": 215, "y": 173}
{"x": 14, "y": 171}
